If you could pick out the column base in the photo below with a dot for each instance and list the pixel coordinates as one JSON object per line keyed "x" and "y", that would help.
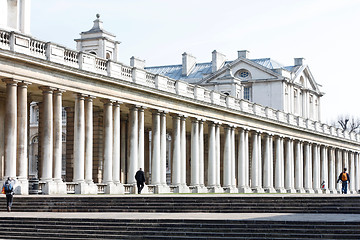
{"x": 198, "y": 189}
{"x": 318, "y": 190}
{"x": 161, "y": 189}
{"x": 244, "y": 190}
{"x": 270, "y": 190}
{"x": 333, "y": 191}
{"x": 291, "y": 190}
{"x": 310, "y": 190}
{"x": 21, "y": 187}
{"x": 325, "y": 191}
{"x": 52, "y": 188}
{"x": 300, "y": 190}
{"x": 86, "y": 188}
{"x": 230, "y": 189}
{"x": 180, "y": 189}
{"x": 113, "y": 188}
{"x": 258, "y": 190}
{"x": 352, "y": 192}
{"x": 281, "y": 190}
{"x": 215, "y": 189}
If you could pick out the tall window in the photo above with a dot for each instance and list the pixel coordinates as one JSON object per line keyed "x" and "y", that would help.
{"x": 247, "y": 93}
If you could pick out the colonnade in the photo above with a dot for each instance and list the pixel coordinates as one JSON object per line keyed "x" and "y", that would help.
{"x": 219, "y": 156}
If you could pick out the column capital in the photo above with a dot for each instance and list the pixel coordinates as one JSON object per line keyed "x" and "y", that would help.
{"x": 46, "y": 89}
{"x": 175, "y": 115}
{"x": 89, "y": 98}
{"x": 59, "y": 91}
{"x": 107, "y": 101}
{"x": 23, "y": 84}
{"x": 10, "y": 81}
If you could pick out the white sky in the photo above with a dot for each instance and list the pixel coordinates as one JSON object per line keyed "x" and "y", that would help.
{"x": 325, "y": 32}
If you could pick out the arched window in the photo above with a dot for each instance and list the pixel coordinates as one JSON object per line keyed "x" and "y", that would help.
{"x": 93, "y": 52}
{"x": 108, "y": 55}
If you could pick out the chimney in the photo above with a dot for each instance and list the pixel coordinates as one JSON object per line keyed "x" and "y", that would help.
{"x": 299, "y": 61}
{"x": 188, "y": 63}
{"x": 218, "y": 60}
{"x": 243, "y": 54}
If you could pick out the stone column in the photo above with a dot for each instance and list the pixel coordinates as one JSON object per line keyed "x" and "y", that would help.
{"x": 324, "y": 168}
{"x": 339, "y": 168}
{"x": 255, "y": 162}
{"x": 79, "y": 136}
{"x": 133, "y": 145}
{"x": 233, "y": 167}
{"x": 108, "y": 141}
{"x": 163, "y": 148}
{"x": 116, "y": 143}
{"x": 299, "y": 167}
{"x": 352, "y": 173}
{"x": 201, "y": 154}
{"x": 141, "y": 151}
{"x": 176, "y": 152}
{"x": 22, "y": 139}
{"x": 316, "y": 168}
{"x": 194, "y": 152}
{"x": 247, "y": 162}
{"x": 289, "y": 174}
{"x": 345, "y": 159}
{"x": 260, "y": 159}
{"x": 183, "y": 150}
{"x": 211, "y": 155}
{"x": 47, "y": 135}
{"x": 332, "y": 174}
{"x": 308, "y": 168}
{"x": 155, "y": 153}
{"x": 123, "y": 151}
{"x": 242, "y": 163}
{"x": 217, "y": 165}
{"x": 268, "y": 165}
{"x": 10, "y": 127}
{"x": 57, "y": 135}
{"x": 227, "y": 158}
{"x": 89, "y": 133}
{"x": 357, "y": 172}
{"x": 279, "y": 159}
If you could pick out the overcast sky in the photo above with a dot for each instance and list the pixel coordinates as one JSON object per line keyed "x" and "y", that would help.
{"x": 326, "y": 33}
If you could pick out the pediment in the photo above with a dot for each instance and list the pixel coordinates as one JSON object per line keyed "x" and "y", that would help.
{"x": 304, "y": 78}
{"x": 242, "y": 69}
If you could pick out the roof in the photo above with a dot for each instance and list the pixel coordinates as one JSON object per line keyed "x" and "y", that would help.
{"x": 202, "y": 69}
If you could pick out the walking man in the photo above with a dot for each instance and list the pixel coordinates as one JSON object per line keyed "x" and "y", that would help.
{"x": 344, "y": 178}
{"x": 140, "y": 180}
{"x": 9, "y": 191}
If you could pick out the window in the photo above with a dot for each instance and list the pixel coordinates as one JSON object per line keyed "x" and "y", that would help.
{"x": 63, "y": 138}
{"x": 63, "y": 116}
{"x": 108, "y": 55}
{"x": 35, "y": 139}
{"x": 93, "y": 53}
{"x": 243, "y": 74}
{"x": 247, "y": 93}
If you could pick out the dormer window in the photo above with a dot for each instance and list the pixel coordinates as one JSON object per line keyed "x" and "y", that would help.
{"x": 93, "y": 53}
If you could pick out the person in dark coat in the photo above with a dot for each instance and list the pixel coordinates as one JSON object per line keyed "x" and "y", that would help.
{"x": 140, "y": 179}
{"x": 9, "y": 191}
{"x": 344, "y": 178}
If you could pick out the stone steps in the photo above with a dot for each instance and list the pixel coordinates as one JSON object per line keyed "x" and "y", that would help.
{"x": 49, "y": 228}
{"x": 187, "y": 204}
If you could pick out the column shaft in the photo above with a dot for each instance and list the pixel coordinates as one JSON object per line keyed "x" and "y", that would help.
{"x": 218, "y": 168}
{"x": 163, "y": 148}
{"x": 89, "y": 132}
{"x": 141, "y": 151}
{"x": 22, "y": 132}
{"x": 352, "y": 173}
{"x": 332, "y": 175}
{"x": 267, "y": 162}
{"x": 195, "y": 152}
{"x": 255, "y": 161}
{"x": 108, "y": 142}
{"x": 176, "y": 152}
{"x": 116, "y": 144}
{"x": 183, "y": 149}
{"x": 227, "y": 158}
{"x": 339, "y": 167}
{"x": 211, "y": 155}
{"x": 155, "y": 156}
{"x": 10, "y": 128}
{"x": 57, "y": 135}
{"x": 47, "y": 136}
{"x": 201, "y": 153}
{"x": 133, "y": 145}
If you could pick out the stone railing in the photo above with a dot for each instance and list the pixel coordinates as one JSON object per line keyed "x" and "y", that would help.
{"x": 101, "y": 188}
{"x": 20, "y": 43}
{"x": 70, "y": 187}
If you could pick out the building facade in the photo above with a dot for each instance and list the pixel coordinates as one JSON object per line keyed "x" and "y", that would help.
{"x": 187, "y": 137}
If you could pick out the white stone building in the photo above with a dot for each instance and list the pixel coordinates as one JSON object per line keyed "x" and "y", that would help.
{"x": 196, "y": 126}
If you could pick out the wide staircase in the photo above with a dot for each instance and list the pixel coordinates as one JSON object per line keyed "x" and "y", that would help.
{"x": 97, "y": 228}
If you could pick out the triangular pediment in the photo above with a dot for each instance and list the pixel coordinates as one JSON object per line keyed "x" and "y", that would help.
{"x": 240, "y": 65}
{"x": 305, "y": 79}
